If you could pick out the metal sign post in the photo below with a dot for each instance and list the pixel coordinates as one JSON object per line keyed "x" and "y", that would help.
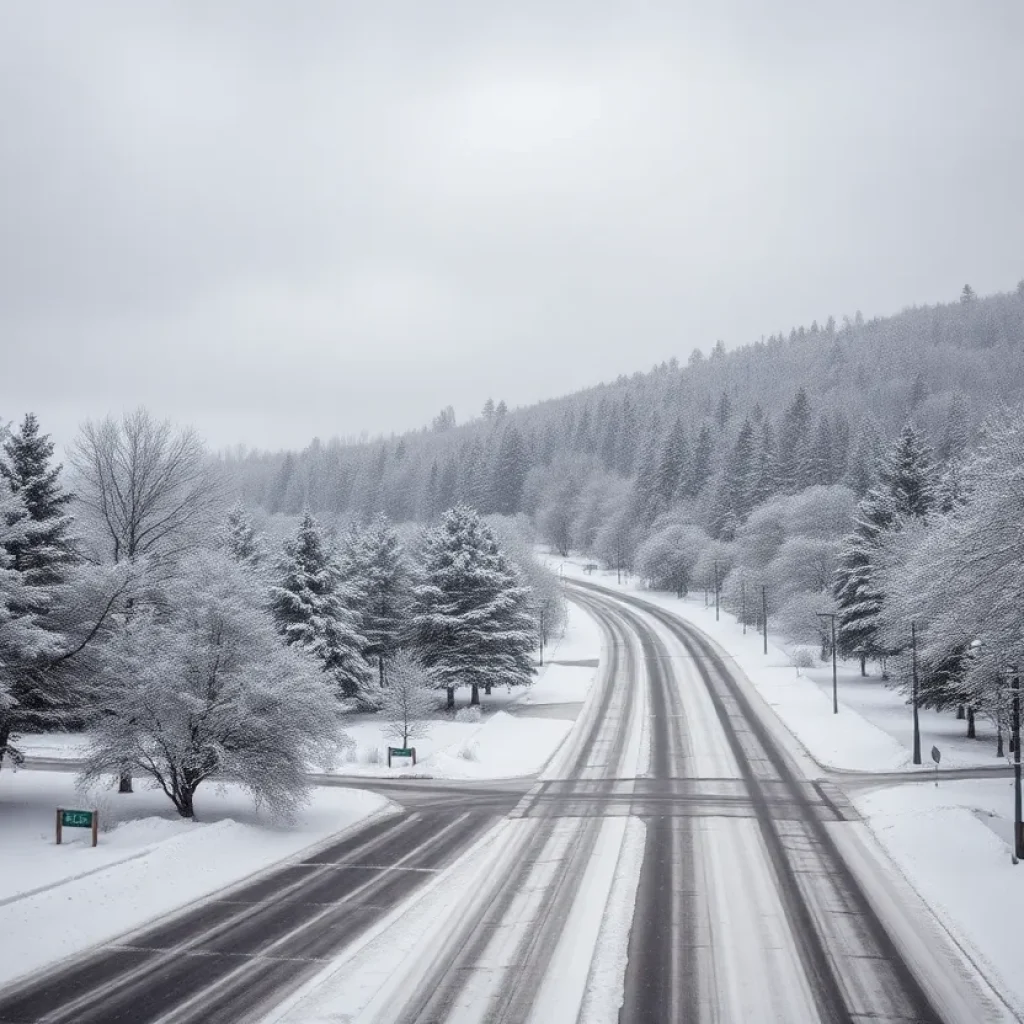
{"x": 401, "y": 752}
{"x": 936, "y": 757}
{"x": 78, "y": 819}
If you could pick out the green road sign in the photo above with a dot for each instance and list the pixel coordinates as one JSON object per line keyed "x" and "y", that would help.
{"x": 401, "y": 752}
{"x": 76, "y": 819}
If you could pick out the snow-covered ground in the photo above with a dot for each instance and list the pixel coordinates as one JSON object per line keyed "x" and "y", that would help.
{"x": 59, "y": 900}
{"x": 952, "y": 842}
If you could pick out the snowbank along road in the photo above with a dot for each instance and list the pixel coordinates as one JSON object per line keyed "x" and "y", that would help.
{"x": 757, "y": 898}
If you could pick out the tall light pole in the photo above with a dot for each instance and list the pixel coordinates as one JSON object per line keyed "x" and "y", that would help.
{"x": 764, "y": 615}
{"x": 716, "y": 591}
{"x": 831, "y": 616}
{"x": 743, "y": 605}
{"x": 917, "y": 723}
{"x": 542, "y": 636}
{"x": 1018, "y": 825}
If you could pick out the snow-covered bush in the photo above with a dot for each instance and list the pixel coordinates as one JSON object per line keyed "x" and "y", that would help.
{"x": 471, "y": 714}
{"x": 667, "y": 559}
{"x": 803, "y": 657}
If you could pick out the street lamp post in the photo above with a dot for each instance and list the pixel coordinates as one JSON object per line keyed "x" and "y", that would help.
{"x": 764, "y": 615}
{"x": 716, "y": 591}
{"x": 1018, "y": 825}
{"x": 917, "y": 723}
{"x": 743, "y": 605}
{"x": 835, "y": 688}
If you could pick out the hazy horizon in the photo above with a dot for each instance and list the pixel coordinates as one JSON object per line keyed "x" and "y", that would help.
{"x": 278, "y": 225}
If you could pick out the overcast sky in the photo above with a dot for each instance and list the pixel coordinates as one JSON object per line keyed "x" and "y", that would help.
{"x": 276, "y": 220}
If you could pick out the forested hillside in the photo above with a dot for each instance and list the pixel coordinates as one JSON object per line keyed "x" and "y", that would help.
{"x": 814, "y": 406}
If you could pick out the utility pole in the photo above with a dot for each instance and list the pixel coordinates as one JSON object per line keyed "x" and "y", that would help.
{"x": 917, "y": 723}
{"x": 743, "y": 605}
{"x": 618, "y": 558}
{"x": 542, "y": 636}
{"x": 835, "y": 687}
{"x": 1018, "y": 825}
{"x": 716, "y": 591}
{"x": 764, "y": 615}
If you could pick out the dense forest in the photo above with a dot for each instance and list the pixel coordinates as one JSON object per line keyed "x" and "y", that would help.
{"x": 817, "y": 406}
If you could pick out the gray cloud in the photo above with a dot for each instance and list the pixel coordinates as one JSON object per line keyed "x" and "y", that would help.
{"x": 276, "y": 221}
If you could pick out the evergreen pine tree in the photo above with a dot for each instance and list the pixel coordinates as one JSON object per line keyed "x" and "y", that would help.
{"x": 906, "y": 489}
{"x": 795, "y": 465}
{"x": 956, "y": 438}
{"x": 673, "y": 464}
{"x": 822, "y": 468}
{"x": 700, "y": 464}
{"x": 25, "y": 699}
{"x": 647, "y": 504}
{"x": 723, "y": 411}
{"x": 471, "y": 622}
{"x": 241, "y": 540}
{"x": 908, "y": 476}
{"x": 509, "y": 473}
{"x": 377, "y": 569}
{"x": 765, "y": 473}
{"x": 733, "y": 501}
{"x": 42, "y": 550}
{"x": 308, "y": 608}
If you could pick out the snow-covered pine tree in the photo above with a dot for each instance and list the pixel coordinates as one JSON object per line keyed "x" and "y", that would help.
{"x": 376, "y": 567}
{"x": 471, "y": 623}
{"x": 44, "y": 549}
{"x": 673, "y": 464}
{"x": 905, "y": 489}
{"x": 700, "y": 463}
{"x": 733, "y": 501}
{"x": 241, "y": 540}
{"x": 765, "y": 473}
{"x": 23, "y": 641}
{"x": 509, "y": 473}
{"x": 795, "y": 463}
{"x": 647, "y": 503}
{"x": 309, "y": 610}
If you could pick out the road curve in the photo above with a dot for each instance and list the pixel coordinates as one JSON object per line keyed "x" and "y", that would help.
{"x": 754, "y": 916}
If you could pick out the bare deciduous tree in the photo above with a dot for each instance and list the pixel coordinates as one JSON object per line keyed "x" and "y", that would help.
{"x": 146, "y": 482}
{"x": 408, "y": 699}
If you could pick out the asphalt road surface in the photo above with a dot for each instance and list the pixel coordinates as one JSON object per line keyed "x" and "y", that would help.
{"x": 748, "y": 908}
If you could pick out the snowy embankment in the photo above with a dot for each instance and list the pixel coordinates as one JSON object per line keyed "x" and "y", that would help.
{"x": 952, "y": 842}
{"x": 60, "y": 900}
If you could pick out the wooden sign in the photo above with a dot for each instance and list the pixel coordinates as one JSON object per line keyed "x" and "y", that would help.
{"x": 77, "y": 819}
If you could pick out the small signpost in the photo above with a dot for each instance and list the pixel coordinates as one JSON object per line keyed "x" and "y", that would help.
{"x": 936, "y": 757}
{"x": 77, "y": 819}
{"x": 401, "y": 752}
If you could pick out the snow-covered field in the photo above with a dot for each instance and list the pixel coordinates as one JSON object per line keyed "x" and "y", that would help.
{"x": 952, "y": 842}
{"x": 59, "y": 900}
